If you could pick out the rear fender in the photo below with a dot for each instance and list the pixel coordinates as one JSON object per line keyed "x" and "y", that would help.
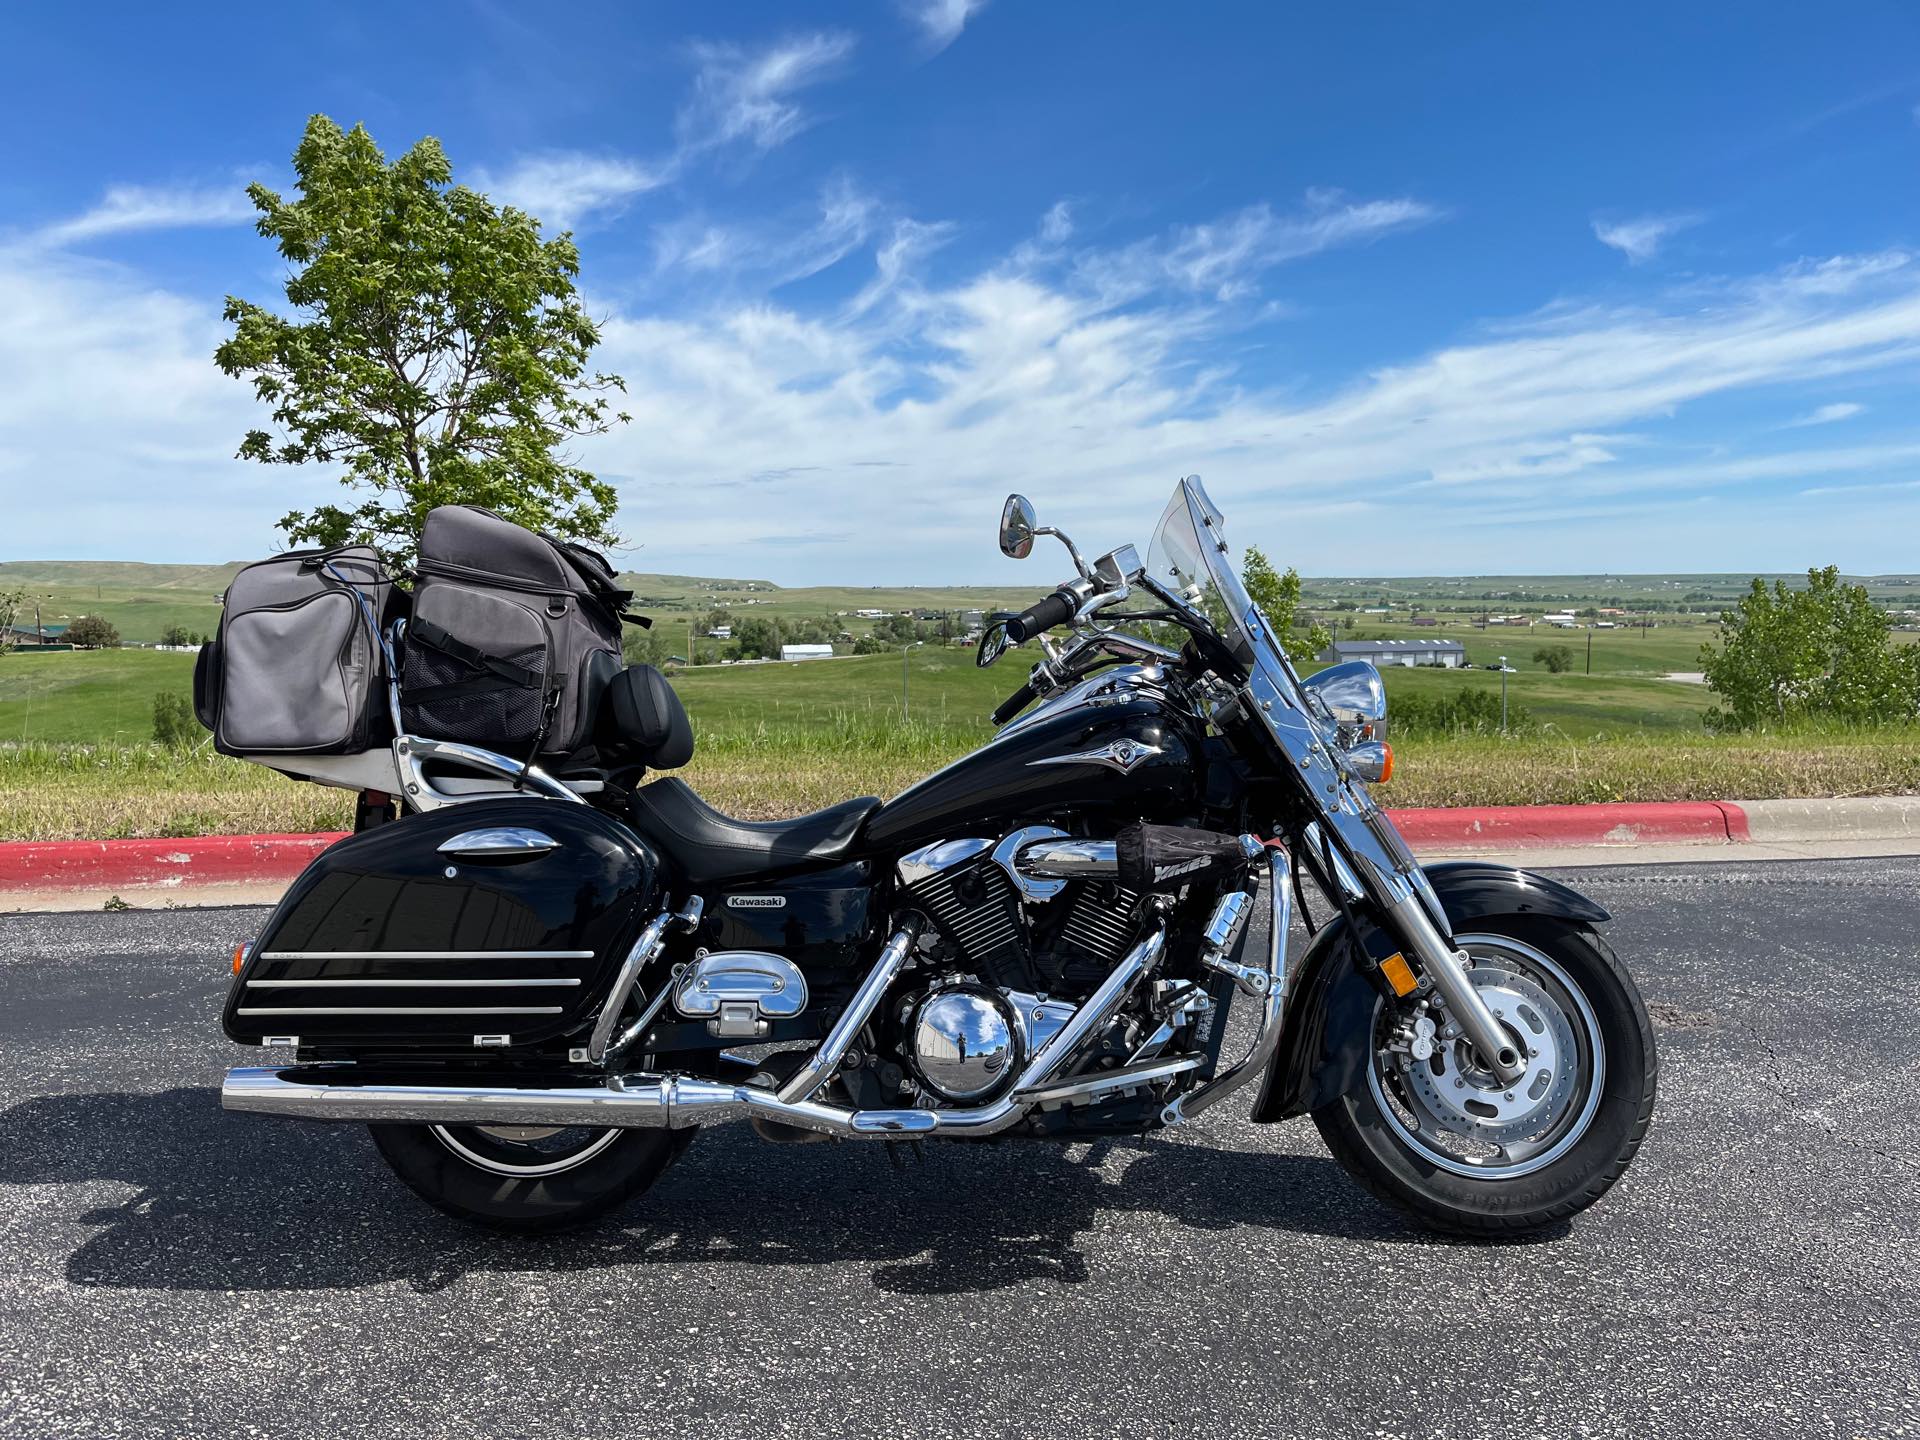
{"x": 1330, "y": 1008}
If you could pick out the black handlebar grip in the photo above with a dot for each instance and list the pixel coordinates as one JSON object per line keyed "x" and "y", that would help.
{"x": 1014, "y": 704}
{"x": 1056, "y": 609}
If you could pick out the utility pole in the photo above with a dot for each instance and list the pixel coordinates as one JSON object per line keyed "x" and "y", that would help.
{"x": 1589, "y": 652}
{"x": 905, "y": 713}
{"x": 1503, "y": 694}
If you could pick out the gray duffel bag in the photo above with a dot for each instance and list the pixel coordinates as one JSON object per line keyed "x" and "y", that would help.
{"x": 295, "y": 669}
{"x": 512, "y": 639}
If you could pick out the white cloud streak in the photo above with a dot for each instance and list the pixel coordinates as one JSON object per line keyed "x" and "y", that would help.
{"x": 941, "y": 21}
{"x": 1827, "y": 415}
{"x": 127, "y": 208}
{"x": 563, "y": 188}
{"x": 746, "y": 97}
{"x": 1640, "y": 240}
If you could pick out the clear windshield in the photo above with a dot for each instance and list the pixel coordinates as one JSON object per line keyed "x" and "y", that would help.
{"x": 1190, "y": 558}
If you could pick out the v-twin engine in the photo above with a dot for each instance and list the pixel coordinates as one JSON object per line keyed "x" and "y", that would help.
{"x": 1036, "y": 910}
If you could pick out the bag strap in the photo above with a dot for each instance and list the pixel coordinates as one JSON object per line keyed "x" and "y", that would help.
{"x": 436, "y": 638}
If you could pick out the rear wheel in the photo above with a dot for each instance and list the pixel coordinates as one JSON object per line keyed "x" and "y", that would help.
{"x": 1432, "y": 1132}
{"x": 527, "y": 1177}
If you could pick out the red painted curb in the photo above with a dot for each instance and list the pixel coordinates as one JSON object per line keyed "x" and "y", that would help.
{"x": 263, "y": 859}
{"x": 143, "y": 864}
{"x": 1517, "y": 827}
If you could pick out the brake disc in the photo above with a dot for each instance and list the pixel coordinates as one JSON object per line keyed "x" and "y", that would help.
{"x": 1459, "y": 1095}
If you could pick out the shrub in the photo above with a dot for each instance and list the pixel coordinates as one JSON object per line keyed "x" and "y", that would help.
{"x": 1557, "y": 658}
{"x": 174, "y": 723}
{"x": 1464, "y": 712}
{"x": 91, "y": 632}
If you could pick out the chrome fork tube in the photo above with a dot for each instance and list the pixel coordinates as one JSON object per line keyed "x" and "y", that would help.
{"x": 1447, "y": 968}
{"x": 823, "y": 1062}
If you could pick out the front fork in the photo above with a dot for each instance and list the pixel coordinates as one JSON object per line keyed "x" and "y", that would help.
{"x": 1410, "y": 909}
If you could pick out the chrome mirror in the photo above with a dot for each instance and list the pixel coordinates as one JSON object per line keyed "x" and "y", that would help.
{"x": 993, "y": 643}
{"x": 1354, "y": 697}
{"x": 1018, "y": 523}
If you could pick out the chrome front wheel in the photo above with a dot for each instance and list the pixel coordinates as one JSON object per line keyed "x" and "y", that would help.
{"x": 1435, "y": 1133}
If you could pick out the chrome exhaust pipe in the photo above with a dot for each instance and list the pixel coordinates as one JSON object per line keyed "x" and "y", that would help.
{"x": 673, "y": 1102}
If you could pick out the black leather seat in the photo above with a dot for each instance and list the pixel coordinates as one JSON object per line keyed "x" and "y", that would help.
{"x": 713, "y": 848}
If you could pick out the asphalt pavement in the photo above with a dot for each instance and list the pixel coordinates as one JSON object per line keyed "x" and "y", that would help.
{"x": 169, "y": 1270}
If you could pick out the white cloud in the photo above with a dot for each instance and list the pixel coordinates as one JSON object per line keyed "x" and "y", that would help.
{"x": 1222, "y": 257}
{"x": 1056, "y": 226}
{"x": 1827, "y": 415}
{"x": 941, "y": 21}
{"x": 745, "y": 97}
{"x": 127, "y": 208}
{"x": 1640, "y": 240}
{"x": 562, "y": 188}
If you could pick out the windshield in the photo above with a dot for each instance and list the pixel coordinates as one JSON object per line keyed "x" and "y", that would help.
{"x": 1190, "y": 559}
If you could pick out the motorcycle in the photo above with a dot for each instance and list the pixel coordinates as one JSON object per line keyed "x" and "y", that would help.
{"x": 537, "y": 986}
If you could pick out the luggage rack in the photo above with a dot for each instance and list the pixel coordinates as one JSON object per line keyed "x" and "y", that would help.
{"x": 402, "y": 769}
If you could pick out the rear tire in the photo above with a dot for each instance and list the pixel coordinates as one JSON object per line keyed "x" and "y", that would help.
{"x": 521, "y": 1180}
{"x": 1395, "y": 1150}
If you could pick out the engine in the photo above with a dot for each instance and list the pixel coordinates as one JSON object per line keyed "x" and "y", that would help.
{"x": 1057, "y": 935}
{"x": 1019, "y": 950}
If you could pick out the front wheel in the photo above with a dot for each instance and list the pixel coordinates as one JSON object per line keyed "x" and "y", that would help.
{"x": 1433, "y": 1133}
{"x": 527, "y": 1177}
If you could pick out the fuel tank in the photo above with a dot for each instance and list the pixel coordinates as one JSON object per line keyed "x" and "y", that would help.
{"x": 487, "y": 925}
{"x": 1110, "y": 748}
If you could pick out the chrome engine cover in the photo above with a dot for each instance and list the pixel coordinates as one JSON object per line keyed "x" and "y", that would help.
{"x": 966, "y": 1043}
{"x": 738, "y": 992}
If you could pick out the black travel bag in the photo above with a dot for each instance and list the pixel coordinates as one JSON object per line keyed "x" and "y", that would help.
{"x": 513, "y": 637}
{"x": 296, "y": 669}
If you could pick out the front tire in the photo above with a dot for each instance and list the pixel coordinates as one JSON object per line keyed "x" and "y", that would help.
{"x": 1439, "y": 1140}
{"x": 527, "y": 1179}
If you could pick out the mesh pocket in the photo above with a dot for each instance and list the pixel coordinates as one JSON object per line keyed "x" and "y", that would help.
{"x": 482, "y": 710}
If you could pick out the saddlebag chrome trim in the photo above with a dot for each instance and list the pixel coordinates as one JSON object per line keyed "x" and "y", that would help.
{"x": 513, "y": 984}
{"x": 402, "y": 1010}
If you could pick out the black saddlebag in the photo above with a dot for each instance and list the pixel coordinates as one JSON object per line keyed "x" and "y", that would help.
{"x": 295, "y": 669}
{"x": 513, "y": 636}
{"x": 411, "y": 937}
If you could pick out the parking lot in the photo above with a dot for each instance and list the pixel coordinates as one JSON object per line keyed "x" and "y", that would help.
{"x": 166, "y": 1269}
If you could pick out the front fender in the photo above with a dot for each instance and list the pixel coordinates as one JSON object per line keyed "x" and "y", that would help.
{"x": 1329, "y": 1017}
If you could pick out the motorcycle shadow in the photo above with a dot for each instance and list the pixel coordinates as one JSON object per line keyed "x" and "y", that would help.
{"x": 226, "y": 1202}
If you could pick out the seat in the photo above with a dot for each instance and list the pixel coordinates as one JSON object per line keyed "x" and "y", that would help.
{"x": 712, "y": 848}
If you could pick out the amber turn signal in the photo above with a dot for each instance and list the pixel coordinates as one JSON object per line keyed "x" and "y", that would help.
{"x": 1371, "y": 761}
{"x": 240, "y": 954}
{"x": 1399, "y": 974}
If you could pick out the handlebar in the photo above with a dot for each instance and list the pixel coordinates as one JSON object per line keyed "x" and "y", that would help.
{"x": 1056, "y": 609}
{"x": 1015, "y": 703}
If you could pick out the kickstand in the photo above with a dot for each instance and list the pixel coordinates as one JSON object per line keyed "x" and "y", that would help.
{"x": 896, "y": 1153}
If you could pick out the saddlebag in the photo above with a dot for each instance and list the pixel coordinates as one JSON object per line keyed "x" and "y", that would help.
{"x": 491, "y": 924}
{"x": 295, "y": 669}
{"x": 512, "y": 639}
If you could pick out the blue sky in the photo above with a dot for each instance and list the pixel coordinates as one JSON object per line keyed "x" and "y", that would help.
{"x": 1416, "y": 289}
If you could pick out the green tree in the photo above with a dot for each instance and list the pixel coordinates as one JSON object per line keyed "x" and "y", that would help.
{"x": 1278, "y": 596}
{"x": 436, "y": 351}
{"x": 1825, "y": 652}
{"x": 174, "y": 723}
{"x": 91, "y": 632}
{"x": 1557, "y": 658}
{"x": 178, "y": 635}
{"x": 756, "y": 639}
{"x": 10, "y": 605}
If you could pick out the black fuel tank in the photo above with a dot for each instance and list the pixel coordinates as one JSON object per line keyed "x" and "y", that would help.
{"x": 1135, "y": 757}
{"x": 388, "y": 942}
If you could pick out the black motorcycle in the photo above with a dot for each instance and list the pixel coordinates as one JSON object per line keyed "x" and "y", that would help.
{"x": 535, "y": 987}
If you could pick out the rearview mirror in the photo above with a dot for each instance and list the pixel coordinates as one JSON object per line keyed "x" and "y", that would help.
{"x": 1017, "y": 524}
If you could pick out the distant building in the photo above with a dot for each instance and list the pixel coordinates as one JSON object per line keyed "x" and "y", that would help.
{"x": 1447, "y": 654}
{"x": 29, "y": 637}
{"x": 806, "y": 652}
{"x": 720, "y": 632}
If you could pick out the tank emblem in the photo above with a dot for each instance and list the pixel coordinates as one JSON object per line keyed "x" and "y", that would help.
{"x": 1121, "y": 755}
{"x": 756, "y": 902}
